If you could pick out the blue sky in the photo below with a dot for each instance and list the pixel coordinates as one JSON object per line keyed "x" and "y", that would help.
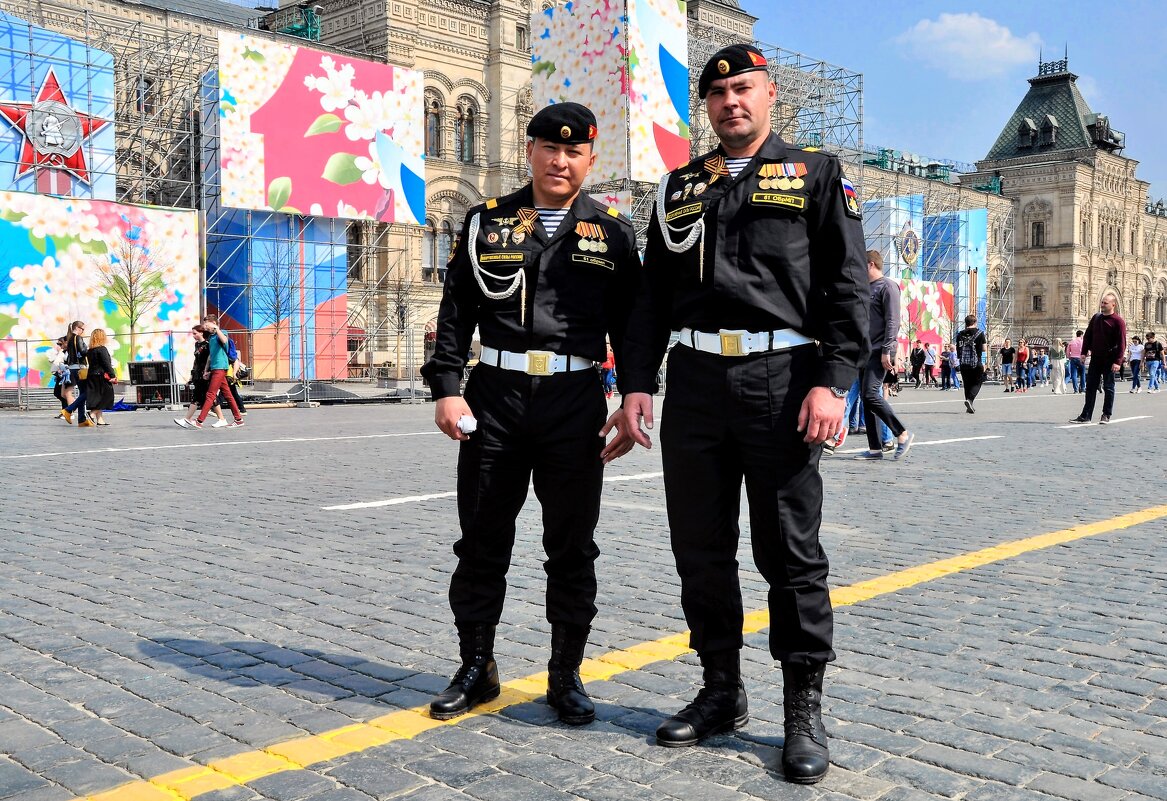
{"x": 942, "y": 79}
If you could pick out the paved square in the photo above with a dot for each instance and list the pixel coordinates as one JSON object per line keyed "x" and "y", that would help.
{"x": 260, "y": 599}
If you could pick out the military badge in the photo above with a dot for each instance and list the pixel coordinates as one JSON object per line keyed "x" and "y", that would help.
{"x": 527, "y": 220}
{"x": 716, "y": 169}
{"x": 723, "y": 66}
{"x": 519, "y": 237}
{"x": 675, "y": 196}
{"x": 699, "y": 188}
{"x": 850, "y": 199}
{"x": 492, "y": 238}
{"x": 565, "y": 132}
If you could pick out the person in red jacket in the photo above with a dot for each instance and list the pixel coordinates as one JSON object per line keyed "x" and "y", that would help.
{"x": 1105, "y": 343}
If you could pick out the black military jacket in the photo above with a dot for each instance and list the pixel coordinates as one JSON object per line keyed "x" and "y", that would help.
{"x": 784, "y": 248}
{"x": 580, "y": 285}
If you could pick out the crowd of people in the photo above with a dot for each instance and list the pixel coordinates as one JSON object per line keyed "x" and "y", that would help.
{"x": 85, "y": 380}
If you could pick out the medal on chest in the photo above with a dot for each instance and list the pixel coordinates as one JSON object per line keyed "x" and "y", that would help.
{"x": 592, "y": 238}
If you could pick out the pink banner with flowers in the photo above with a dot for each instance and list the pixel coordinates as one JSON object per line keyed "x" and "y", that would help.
{"x": 925, "y": 313}
{"x": 306, "y": 132}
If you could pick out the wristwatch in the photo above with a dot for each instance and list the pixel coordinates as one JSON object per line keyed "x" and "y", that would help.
{"x": 838, "y": 393}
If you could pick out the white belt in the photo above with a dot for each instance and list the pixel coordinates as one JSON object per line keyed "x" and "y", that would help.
{"x": 534, "y": 362}
{"x": 742, "y": 343}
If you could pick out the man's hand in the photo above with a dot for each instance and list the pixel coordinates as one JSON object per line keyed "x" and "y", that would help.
{"x": 1114, "y": 368}
{"x": 821, "y": 415}
{"x": 637, "y": 406}
{"x": 888, "y": 362}
{"x": 621, "y": 443}
{"x": 448, "y": 412}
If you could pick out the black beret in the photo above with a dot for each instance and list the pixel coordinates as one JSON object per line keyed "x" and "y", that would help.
{"x": 729, "y": 61}
{"x": 565, "y": 123}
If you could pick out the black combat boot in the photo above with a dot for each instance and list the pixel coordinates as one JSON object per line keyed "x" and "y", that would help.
{"x": 476, "y": 681}
{"x": 565, "y": 690}
{"x": 804, "y": 755}
{"x": 719, "y": 706}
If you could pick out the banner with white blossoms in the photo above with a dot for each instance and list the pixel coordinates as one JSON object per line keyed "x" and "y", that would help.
{"x": 63, "y": 260}
{"x": 306, "y": 132}
{"x": 627, "y": 62}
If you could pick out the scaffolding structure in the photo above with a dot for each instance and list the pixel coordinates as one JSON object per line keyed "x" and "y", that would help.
{"x": 160, "y": 119}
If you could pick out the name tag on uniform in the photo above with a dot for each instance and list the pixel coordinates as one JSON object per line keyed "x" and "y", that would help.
{"x": 595, "y": 261}
{"x": 487, "y": 258}
{"x": 776, "y": 199}
{"x": 683, "y": 211}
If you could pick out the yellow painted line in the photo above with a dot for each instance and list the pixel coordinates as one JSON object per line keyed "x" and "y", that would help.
{"x": 303, "y": 752}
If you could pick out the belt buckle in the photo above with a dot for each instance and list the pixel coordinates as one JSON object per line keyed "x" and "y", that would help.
{"x": 731, "y": 343}
{"x": 539, "y": 362}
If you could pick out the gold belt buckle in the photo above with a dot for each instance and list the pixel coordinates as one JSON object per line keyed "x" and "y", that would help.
{"x": 731, "y": 343}
{"x": 539, "y": 362}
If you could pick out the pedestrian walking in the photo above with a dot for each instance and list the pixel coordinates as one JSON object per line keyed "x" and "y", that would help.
{"x": 1021, "y": 365}
{"x": 1104, "y": 342}
{"x": 62, "y": 380}
{"x": 1153, "y": 357}
{"x": 1005, "y": 357}
{"x": 75, "y": 350}
{"x": 216, "y": 372}
{"x": 1134, "y": 356}
{"x": 546, "y": 274}
{"x": 970, "y": 350}
{"x": 1076, "y": 365}
{"x": 916, "y": 359}
{"x": 1057, "y": 360}
{"x": 102, "y": 378}
{"x": 755, "y": 259}
{"x": 946, "y": 367}
{"x": 199, "y": 383}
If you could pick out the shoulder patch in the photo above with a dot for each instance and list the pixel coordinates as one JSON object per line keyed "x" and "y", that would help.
{"x": 811, "y": 149}
{"x": 492, "y": 203}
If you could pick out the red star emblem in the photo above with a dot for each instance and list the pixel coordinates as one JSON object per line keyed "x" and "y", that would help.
{"x": 17, "y": 115}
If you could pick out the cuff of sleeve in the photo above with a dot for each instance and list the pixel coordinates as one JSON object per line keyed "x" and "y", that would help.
{"x": 630, "y": 386}
{"x": 444, "y": 385}
{"x": 836, "y": 375}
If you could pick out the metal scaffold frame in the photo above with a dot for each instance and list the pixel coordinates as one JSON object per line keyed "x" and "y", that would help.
{"x": 159, "y": 122}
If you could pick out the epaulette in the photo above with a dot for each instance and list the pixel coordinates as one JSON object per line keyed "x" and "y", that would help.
{"x": 492, "y": 203}
{"x": 811, "y": 149}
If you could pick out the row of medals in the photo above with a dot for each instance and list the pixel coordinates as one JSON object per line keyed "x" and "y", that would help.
{"x": 593, "y": 246}
{"x": 785, "y": 184}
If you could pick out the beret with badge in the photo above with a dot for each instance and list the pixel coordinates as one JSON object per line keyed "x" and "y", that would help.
{"x": 728, "y": 62}
{"x": 563, "y": 123}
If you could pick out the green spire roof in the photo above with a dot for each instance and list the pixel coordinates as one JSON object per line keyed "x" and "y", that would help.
{"x": 1053, "y": 117}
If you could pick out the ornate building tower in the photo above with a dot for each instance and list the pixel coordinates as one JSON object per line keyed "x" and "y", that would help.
{"x": 1085, "y": 225}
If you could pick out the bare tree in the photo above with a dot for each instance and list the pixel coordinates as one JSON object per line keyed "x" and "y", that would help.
{"x": 132, "y": 277}
{"x": 275, "y": 288}
{"x": 403, "y": 296}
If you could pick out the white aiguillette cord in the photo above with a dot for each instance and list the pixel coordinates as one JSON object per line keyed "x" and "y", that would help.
{"x": 518, "y": 279}
{"x": 693, "y": 232}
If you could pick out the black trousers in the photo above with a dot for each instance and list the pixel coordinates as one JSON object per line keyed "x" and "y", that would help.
{"x": 726, "y": 419}
{"x": 540, "y": 429}
{"x": 1096, "y": 376}
{"x": 874, "y": 404}
{"x": 972, "y": 379}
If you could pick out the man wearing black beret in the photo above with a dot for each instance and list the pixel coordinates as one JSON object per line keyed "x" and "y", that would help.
{"x": 547, "y": 274}
{"x": 756, "y": 259}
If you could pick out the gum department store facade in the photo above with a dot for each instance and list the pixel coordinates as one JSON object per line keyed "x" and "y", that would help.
{"x": 1083, "y": 222}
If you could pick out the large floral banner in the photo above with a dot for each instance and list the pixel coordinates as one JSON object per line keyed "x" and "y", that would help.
{"x": 955, "y": 245}
{"x": 63, "y": 259}
{"x": 627, "y": 63}
{"x": 925, "y": 313}
{"x": 305, "y": 132}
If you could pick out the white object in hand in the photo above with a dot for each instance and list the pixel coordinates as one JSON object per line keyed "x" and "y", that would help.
{"x": 467, "y": 424}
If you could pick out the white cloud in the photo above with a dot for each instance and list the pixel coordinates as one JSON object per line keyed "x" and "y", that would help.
{"x": 968, "y": 46}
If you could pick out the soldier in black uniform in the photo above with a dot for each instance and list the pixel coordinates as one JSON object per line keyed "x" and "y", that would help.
{"x": 756, "y": 257}
{"x": 545, "y": 274}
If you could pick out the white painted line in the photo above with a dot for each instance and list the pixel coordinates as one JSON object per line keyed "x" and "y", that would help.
{"x": 918, "y": 443}
{"x": 226, "y": 444}
{"x": 389, "y": 502}
{"x": 1112, "y": 422}
{"x": 418, "y": 498}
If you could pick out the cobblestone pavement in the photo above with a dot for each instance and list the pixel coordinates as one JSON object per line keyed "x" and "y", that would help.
{"x": 172, "y": 599}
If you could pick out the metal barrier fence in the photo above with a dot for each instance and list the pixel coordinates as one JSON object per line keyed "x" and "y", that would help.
{"x": 337, "y": 369}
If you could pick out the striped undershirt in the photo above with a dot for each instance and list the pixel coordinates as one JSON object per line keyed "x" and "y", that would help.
{"x": 551, "y": 218}
{"x": 735, "y": 166}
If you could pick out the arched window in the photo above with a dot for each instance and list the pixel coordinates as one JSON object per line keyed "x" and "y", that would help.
{"x": 429, "y": 267}
{"x": 433, "y": 129}
{"x": 445, "y": 242}
{"x": 464, "y": 133}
